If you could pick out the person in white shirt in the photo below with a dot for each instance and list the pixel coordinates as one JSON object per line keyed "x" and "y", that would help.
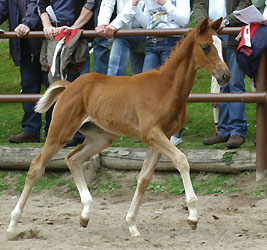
{"x": 160, "y": 14}
{"x": 123, "y": 48}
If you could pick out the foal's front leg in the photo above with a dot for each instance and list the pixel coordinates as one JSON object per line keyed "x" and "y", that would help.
{"x": 146, "y": 174}
{"x": 164, "y": 146}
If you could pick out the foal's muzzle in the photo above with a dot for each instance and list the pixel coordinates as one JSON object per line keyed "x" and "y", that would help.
{"x": 222, "y": 76}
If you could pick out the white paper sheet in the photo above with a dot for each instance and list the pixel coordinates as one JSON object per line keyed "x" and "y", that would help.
{"x": 51, "y": 13}
{"x": 249, "y": 15}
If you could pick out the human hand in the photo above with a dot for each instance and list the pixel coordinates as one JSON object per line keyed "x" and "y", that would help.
{"x": 135, "y": 2}
{"x": 22, "y": 30}
{"x": 222, "y": 25}
{"x": 161, "y": 2}
{"x": 264, "y": 22}
{"x": 50, "y": 31}
{"x": 110, "y": 31}
{"x": 101, "y": 29}
{"x": 59, "y": 29}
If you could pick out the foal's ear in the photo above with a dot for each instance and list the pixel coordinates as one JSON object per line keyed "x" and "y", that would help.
{"x": 216, "y": 24}
{"x": 202, "y": 26}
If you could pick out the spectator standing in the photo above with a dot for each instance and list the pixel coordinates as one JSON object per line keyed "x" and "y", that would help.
{"x": 66, "y": 14}
{"x": 123, "y": 48}
{"x": 22, "y": 16}
{"x": 161, "y": 14}
{"x": 232, "y": 124}
{"x": 101, "y": 50}
{"x": 101, "y": 47}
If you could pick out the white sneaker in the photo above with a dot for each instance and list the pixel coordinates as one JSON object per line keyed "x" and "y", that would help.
{"x": 176, "y": 140}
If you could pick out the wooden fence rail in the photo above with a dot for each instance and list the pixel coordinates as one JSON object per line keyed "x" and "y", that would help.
{"x": 259, "y": 97}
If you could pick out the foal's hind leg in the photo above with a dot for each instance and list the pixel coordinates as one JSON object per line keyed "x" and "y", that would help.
{"x": 96, "y": 140}
{"x": 60, "y": 133}
{"x": 146, "y": 174}
{"x": 36, "y": 170}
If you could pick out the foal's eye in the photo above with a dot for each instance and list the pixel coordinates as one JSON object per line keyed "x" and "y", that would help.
{"x": 205, "y": 47}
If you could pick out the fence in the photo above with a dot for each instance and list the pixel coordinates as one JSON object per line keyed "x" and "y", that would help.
{"x": 259, "y": 97}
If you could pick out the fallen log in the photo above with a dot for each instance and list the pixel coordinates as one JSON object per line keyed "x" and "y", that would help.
{"x": 201, "y": 160}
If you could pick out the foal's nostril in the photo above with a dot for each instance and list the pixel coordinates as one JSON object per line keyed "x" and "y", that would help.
{"x": 224, "y": 77}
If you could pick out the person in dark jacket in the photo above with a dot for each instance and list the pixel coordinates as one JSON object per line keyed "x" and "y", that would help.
{"x": 66, "y": 13}
{"x": 232, "y": 124}
{"x": 60, "y": 14}
{"x": 22, "y": 16}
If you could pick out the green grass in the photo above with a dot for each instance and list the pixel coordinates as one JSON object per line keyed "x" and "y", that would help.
{"x": 204, "y": 184}
{"x": 199, "y": 123}
{"x": 46, "y": 183}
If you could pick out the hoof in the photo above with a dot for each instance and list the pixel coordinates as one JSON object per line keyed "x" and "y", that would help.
{"x": 11, "y": 235}
{"x": 134, "y": 231}
{"x": 192, "y": 224}
{"x": 84, "y": 222}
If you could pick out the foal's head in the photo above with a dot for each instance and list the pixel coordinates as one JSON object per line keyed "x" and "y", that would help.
{"x": 206, "y": 52}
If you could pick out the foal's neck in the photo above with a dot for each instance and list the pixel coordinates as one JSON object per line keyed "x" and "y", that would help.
{"x": 179, "y": 70}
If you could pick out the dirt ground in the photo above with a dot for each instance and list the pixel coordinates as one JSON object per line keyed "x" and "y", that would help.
{"x": 51, "y": 221}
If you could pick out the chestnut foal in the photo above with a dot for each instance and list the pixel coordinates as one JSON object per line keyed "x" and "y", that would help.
{"x": 151, "y": 106}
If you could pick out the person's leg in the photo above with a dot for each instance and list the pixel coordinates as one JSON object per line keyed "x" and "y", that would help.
{"x": 223, "y": 129}
{"x": 237, "y": 119}
{"x": 119, "y": 56}
{"x": 137, "y": 55}
{"x": 86, "y": 64}
{"x": 31, "y": 80}
{"x": 177, "y": 138}
{"x": 48, "y": 114}
{"x": 152, "y": 57}
{"x": 101, "y": 55}
{"x": 165, "y": 47}
{"x": 232, "y": 119}
{"x": 101, "y": 47}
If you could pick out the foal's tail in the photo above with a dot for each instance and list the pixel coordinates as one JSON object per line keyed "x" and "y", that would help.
{"x": 51, "y": 95}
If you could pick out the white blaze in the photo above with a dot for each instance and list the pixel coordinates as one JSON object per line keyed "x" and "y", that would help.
{"x": 218, "y": 45}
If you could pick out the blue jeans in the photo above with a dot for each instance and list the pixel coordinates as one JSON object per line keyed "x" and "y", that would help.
{"x": 232, "y": 118}
{"x": 85, "y": 67}
{"x": 101, "y": 50}
{"x": 122, "y": 49}
{"x": 157, "y": 52}
{"x": 101, "y": 47}
{"x": 32, "y": 78}
{"x": 101, "y": 55}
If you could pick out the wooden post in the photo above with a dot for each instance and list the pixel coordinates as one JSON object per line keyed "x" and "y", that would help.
{"x": 261, "y": 120}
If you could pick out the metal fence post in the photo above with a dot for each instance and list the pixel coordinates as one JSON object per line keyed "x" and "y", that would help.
{"x": 261, "y": 121}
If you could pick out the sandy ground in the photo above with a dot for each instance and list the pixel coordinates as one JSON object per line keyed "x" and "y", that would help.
{"x": 233, "y": 221}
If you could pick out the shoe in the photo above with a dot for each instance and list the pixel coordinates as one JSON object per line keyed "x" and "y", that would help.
{"x": 74, "y": 142}
{"x": 176, "y": 140}
{"x": 22, "y": 137}
{"x": 235, "y": 141}
{"x": 215, "y": 139}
